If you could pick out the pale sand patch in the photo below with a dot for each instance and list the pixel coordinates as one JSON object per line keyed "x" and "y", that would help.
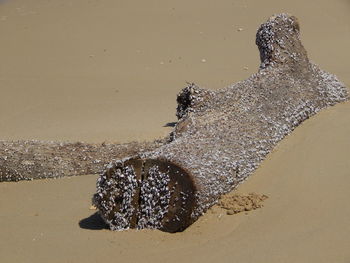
{"x": 236, "y": 203}
{"x": 305, "y": 218}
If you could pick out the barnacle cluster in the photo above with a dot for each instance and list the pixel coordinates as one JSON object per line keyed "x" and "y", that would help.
{"x": 155, "y": 199}
{"x": 140, "y": 193}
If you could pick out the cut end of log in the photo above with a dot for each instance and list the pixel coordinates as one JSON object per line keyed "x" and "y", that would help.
{"x": 145, "y": 193}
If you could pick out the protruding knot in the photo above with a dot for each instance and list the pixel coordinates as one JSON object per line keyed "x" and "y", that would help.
{"x": 278, "y": 42}
{"x": 191, "y": 99}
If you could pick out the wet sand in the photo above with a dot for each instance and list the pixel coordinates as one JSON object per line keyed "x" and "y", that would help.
{"x": 110, "y": 70}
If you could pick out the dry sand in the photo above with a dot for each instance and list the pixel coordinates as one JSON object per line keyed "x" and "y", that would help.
{"x": 110, "y": 70}
{"x": 305, "y": 218}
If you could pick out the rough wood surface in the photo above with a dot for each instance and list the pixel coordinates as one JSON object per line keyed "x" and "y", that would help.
{"x": 28, "y": 160}
{"x": 221, "y": 137}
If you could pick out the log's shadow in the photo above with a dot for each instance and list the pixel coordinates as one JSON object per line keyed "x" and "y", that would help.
{"x": 93, "y": 222}
{"x": 170, "y": 124}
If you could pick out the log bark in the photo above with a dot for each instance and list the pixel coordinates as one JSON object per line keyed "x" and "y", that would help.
{"x": 29, "y": 160}
{"x": 221, "y": 137}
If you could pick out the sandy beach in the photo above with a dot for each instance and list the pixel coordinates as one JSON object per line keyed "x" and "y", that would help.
{"x": 106, "y": 70}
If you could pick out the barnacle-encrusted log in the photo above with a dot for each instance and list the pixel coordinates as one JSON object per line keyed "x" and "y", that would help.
{"x": 220, "y": 138}
{"x": 28, "y": 160}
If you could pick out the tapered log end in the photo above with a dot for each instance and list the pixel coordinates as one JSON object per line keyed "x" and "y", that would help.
{"x": 145, "y": 193}
{"x": 278, "y": 42}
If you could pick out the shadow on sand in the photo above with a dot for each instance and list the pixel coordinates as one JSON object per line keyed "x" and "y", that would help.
{"x": 170, "y": 124}
{"x": 93, "y": 222}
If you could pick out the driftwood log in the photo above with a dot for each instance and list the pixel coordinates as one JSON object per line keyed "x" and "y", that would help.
{"x": 221, "y": 137}
{"x": 29, "y": 160}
